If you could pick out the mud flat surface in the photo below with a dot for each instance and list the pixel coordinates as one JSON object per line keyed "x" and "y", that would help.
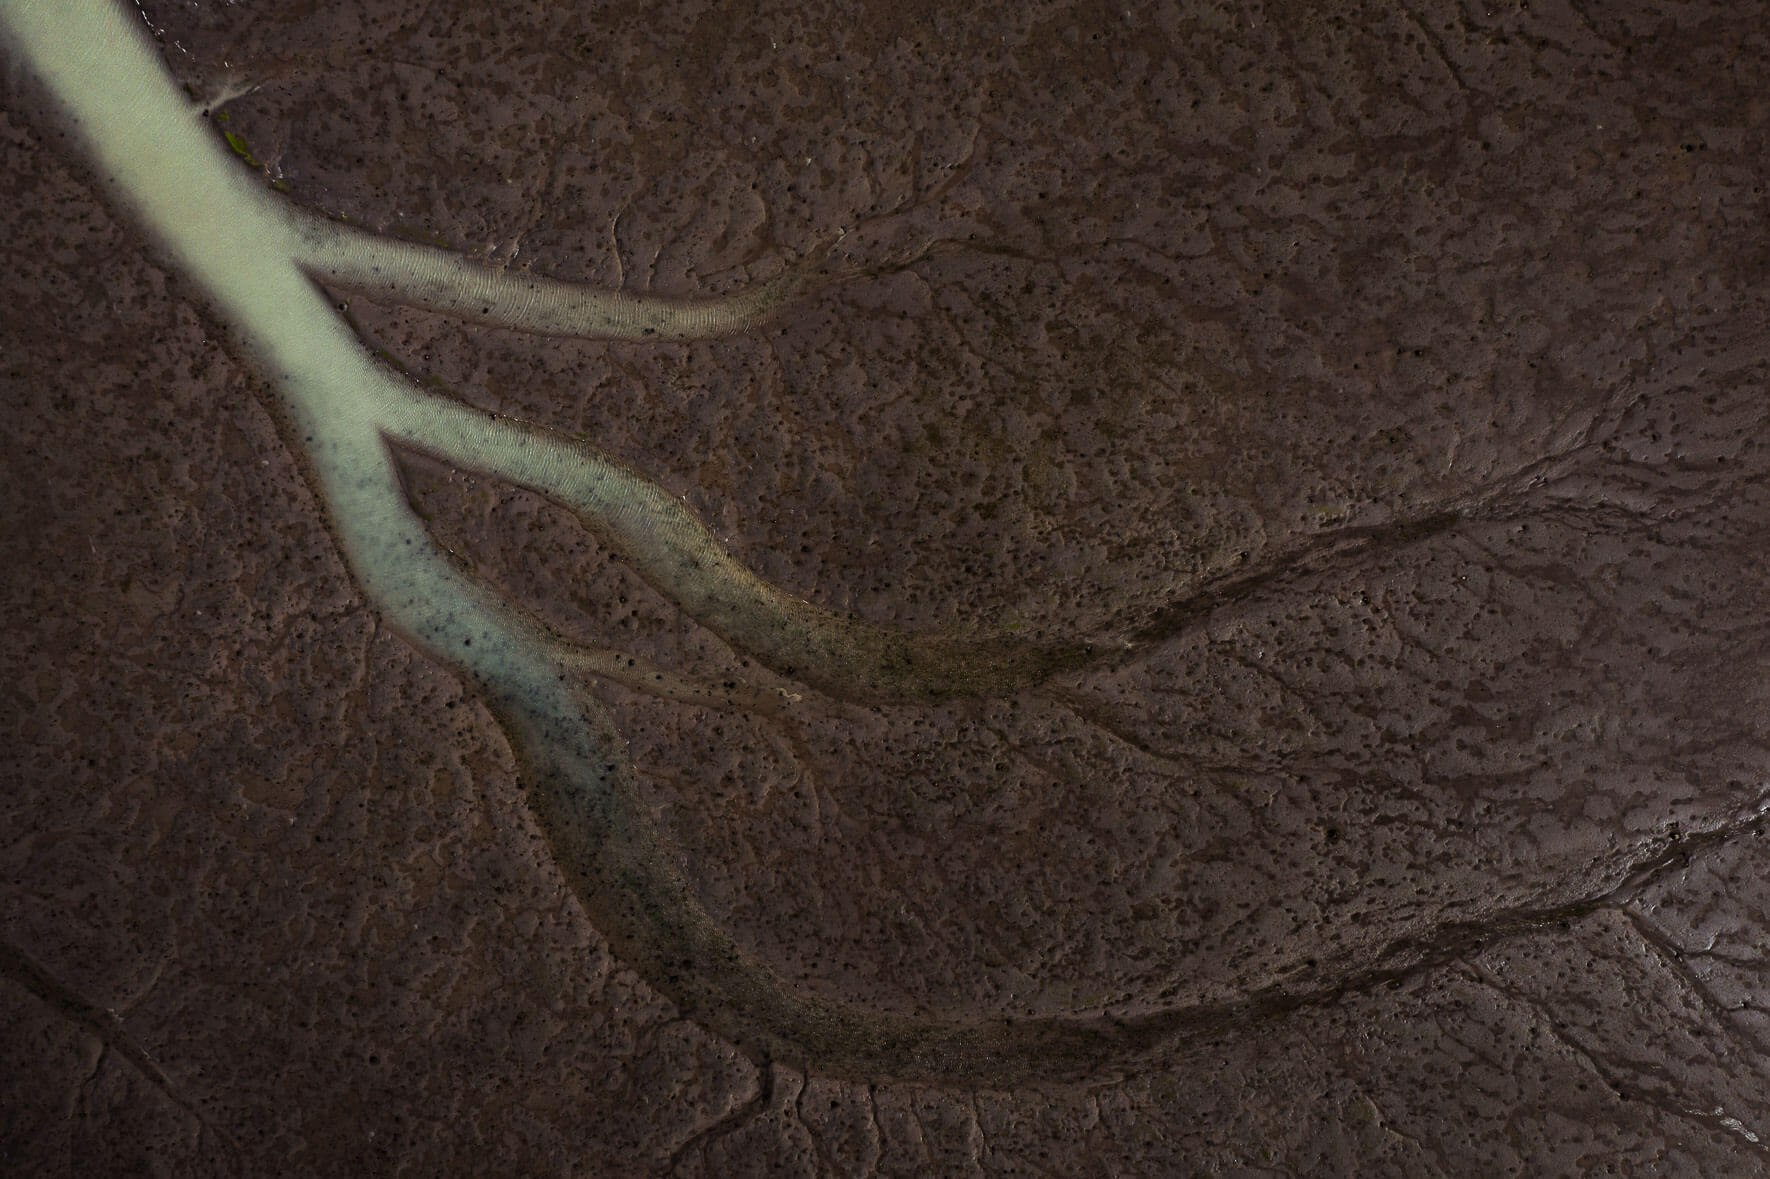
{"x": 1373, "y": 396}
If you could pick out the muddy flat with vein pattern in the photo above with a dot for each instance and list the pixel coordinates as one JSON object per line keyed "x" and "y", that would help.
{"x": 1373, "y": 401}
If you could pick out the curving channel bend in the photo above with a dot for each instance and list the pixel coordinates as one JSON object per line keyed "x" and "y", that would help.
{"x": 258, "y": 261}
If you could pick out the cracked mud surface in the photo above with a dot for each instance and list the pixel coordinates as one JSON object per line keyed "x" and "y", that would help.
{"x": 1393, "y": 384}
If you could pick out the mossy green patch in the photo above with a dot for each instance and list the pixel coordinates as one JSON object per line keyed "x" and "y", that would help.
{"x": 240, "y": 148}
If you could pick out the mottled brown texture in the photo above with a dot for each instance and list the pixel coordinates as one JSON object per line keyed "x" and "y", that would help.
{"x": 1393, "y": 379}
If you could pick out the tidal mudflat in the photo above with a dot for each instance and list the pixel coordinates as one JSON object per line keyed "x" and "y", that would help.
{"x": 847, "y": 600}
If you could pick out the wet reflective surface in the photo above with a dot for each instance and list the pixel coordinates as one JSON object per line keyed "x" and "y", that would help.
{"x": 1391, "y": 387}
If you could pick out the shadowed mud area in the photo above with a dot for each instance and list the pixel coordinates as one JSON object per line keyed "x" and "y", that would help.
{"x": 1357, "y": 412}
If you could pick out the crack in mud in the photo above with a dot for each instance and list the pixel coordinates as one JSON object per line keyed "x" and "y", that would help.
{"x": 107, "y": 1026}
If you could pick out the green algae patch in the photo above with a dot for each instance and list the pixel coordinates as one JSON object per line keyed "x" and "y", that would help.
{"x": 240, "y": 149}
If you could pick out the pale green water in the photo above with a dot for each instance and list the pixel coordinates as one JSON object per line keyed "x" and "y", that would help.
{"x": 213, "y": 220}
